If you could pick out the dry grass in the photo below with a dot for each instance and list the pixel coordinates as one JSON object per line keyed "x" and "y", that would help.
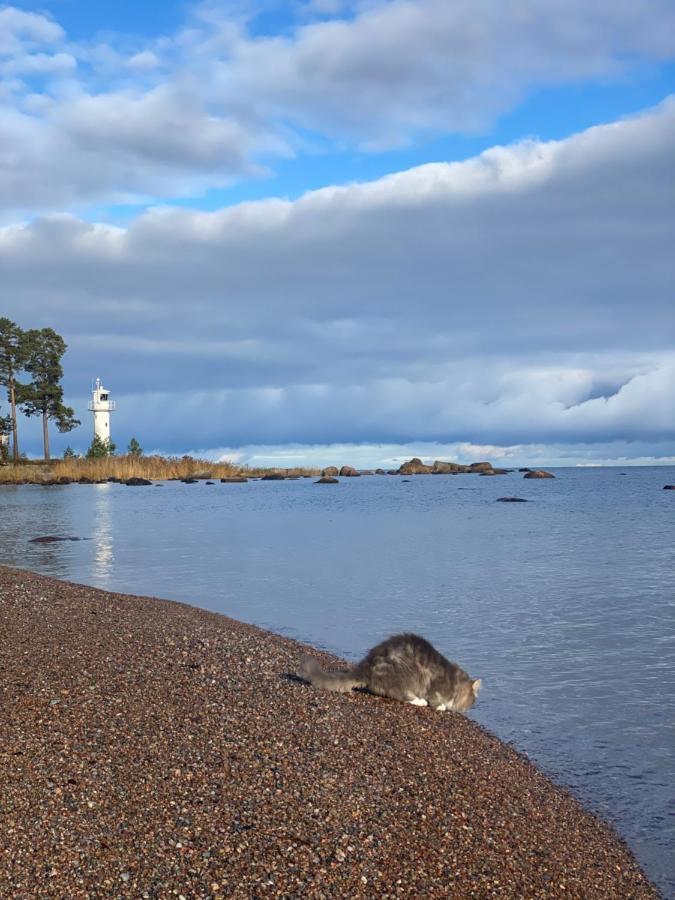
{"x": 156, "y": 468}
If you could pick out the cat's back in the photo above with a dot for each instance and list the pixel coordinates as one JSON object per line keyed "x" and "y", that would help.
{"x": 406, "y": 650}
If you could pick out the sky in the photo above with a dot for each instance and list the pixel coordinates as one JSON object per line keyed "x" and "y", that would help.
{"x": 348, "y": 231}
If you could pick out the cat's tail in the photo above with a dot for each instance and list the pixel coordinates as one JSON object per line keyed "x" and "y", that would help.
{"x": 342, "y": 682}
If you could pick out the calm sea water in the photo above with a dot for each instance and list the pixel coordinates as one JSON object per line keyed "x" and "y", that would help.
{"x": 565, "y": 606}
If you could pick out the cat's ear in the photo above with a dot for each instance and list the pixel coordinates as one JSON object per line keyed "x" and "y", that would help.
{"x": 476, "y": 686}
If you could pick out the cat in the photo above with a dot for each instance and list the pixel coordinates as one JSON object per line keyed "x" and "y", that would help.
{"x": 404, "y": 667}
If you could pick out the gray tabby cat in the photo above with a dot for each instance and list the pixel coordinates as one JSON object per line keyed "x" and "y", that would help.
{"x": 404, "y": 667}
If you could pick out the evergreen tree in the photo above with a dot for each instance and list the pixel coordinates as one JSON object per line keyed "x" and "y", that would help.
{"x": 69, "y": 453}
{"x": 100, "y": 447}
{"x": 43, "y": 350}
{"x": 5, "y": 431}
{"x": 12, "y": 354}
{"x": 134, "y": 448}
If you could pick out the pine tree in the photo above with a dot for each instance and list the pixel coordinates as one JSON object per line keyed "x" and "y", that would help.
{"x": 134, "y": 448}
{"x": 43, "y": 350}
{"x": 12, "y": 354}
{"x": 100, "y": 447}
{"x": 69, "y": 453}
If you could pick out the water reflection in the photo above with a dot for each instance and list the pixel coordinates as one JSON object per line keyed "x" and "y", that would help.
{"x": 102, "y": 536}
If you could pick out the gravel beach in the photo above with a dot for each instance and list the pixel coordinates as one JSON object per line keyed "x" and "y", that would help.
{"x": 149, "y": 749}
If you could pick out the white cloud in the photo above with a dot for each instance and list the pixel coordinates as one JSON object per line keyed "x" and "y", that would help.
{"x": 181, "y": 113}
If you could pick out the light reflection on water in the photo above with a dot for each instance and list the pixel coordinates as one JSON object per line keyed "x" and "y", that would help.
{"x": 564, "y": 606}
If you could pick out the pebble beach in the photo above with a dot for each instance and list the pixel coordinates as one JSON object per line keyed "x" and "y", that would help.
{"x": 150, "y": 749}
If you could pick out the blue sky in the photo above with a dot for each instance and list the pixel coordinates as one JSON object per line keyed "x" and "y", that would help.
{"x": 383, "y": 226}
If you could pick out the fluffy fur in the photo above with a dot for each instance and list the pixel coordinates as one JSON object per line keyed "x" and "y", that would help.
{"x": 404, "y": 667}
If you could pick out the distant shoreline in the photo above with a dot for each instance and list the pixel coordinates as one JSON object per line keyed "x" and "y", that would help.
{"x": 170, "y": 747}
{"x": 157, "y": 468}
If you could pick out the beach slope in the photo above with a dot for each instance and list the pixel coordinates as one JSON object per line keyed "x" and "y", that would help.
{"x": 151, "y": 749}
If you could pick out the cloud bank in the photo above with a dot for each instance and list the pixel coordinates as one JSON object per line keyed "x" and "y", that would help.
{"x": 523, "y": 296}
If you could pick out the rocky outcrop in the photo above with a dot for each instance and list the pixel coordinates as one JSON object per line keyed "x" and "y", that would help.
{"x": 480, "y": 467}
{"x": 136, "y": 482}
{"x": 447, "y": 468}
{"x": 329, "y": 472}
{"x": 327, "y": 479}
{"x": 538, "y": 473}
{"x": 415, "y": 466}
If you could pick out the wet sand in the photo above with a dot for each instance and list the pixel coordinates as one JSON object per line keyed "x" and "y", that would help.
{"x": 150, "y": 749}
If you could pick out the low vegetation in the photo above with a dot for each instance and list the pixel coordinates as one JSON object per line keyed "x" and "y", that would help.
{"x": 155, "y": 468}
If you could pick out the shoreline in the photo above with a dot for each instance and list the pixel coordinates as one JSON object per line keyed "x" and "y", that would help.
{"x": 151, "y": 748}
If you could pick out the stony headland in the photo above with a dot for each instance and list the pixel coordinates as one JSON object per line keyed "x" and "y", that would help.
{"x": 149, "y": 749}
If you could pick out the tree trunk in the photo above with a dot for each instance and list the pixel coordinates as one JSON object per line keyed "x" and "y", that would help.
{"x": 45, "y": 433}
{"x": 12, "y": 402}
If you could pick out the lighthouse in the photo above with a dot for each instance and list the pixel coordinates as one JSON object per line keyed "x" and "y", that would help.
{"x": 101, "y": 405}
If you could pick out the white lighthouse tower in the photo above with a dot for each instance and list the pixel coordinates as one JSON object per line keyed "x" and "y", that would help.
{"x": 101, "y": 405}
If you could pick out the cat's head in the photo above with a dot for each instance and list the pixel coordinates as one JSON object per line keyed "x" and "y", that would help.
{"x": 466, "y": 693}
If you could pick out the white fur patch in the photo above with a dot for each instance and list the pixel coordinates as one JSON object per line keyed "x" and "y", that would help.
{"x": 418, "y": 701}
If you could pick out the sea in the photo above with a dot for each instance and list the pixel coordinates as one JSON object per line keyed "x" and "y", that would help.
{"x": 564, "y": 605}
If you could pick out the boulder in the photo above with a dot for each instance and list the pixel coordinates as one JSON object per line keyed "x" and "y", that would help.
{"x": 538, "y": 473}
{"x": 367, "y": 472}
{"x": 329, "y": 472}
{"x": 380, "y": 472}
{"x": 234, "y": 479}
{"x": 273, "y": 476}
{"x": 669, "y": 487}
{"x": 189, "y": 480}
{"x": 415, "y": 466}
{"x": 348, "y": 471}
{"x": 480, "y": 467}
{"x": 447, "y": 468}
{"x": 512, "y": 500}
{"x": 136, "y": 482}
{"x": 327, "y": 479}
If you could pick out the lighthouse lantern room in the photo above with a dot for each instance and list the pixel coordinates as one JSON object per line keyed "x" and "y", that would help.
{"x": 101, "y": 405}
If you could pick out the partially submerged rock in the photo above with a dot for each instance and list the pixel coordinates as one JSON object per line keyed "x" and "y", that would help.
{"x": 538, "y": 473}
{"x": 348, "y": 471}
{"x": 136, "y": 481}
{"x": 234, "y": 479}
{"x": 53, "y": 539}
{"x": 273, "y": 476}
{"x": 327, "y": 479}
{"x": 512, "y": 500}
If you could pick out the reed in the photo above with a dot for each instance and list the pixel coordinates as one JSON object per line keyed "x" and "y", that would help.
{"x": 155, "y": 468}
